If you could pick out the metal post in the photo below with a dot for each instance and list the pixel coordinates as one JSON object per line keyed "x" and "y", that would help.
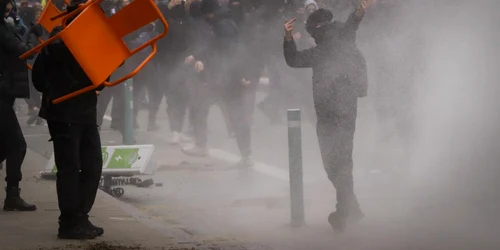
{"x": 128, "y": 126}
{"x": 295, "y": 168}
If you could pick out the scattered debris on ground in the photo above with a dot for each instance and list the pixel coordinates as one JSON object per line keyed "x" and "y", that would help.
{"x": 109, "y": 246}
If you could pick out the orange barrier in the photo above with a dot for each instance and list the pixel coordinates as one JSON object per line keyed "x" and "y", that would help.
{"x": 96, "y": 40}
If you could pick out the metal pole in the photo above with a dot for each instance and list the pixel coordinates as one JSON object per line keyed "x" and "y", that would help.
{"x": 128, "y": 127}
{"x": 295, "y": 165}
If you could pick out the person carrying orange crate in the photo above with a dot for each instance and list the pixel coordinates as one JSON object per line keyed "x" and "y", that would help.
{"x": 74, "y": 133}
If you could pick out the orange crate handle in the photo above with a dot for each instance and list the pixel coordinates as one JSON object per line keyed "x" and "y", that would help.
{"x": 151, "y": 43}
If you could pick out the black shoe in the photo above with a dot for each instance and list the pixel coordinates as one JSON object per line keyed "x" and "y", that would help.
{"x": 98, "y": 230}
{"x": 14, "y": 202}
{"x": 337, "y": 222}
{"x": 79, "y": 232}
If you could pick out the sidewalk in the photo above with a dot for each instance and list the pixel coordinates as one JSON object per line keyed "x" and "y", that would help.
{"x": 125, "y": 227}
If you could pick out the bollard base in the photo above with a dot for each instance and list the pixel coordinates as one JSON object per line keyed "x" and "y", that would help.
{"x": 298, "y": 224}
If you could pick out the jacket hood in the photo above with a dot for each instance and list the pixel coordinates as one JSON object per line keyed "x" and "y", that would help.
{"x": 3, "y": 5}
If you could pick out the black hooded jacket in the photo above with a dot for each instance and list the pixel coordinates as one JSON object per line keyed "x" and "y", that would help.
{"x": 339, "y": 68}
{"x": 225, "y": 56}
{"x": 14, "y": 81}
{"x": 57, "y": 73}
{"x": 172, "y": 49}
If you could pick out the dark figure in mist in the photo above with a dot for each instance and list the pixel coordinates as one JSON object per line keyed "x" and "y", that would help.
{"x": 74, "y": 132}
{"x": 172, "y": 83}
{"x": 223, "y": 64}
{"x": 14, "y": 83}
{"x": 339, "y": 79}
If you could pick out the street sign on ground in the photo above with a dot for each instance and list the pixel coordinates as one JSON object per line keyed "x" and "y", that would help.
{"x": 119, "y": 160}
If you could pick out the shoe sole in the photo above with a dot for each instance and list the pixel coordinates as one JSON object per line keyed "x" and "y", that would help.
{"x": 18, "y": 210}
{"x": 77, "y": 238}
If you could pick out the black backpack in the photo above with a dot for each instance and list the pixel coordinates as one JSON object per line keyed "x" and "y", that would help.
{"x": 40, "y": 70}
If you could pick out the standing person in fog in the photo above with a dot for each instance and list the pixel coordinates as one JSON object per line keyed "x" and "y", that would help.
{"x": 173, "y": 82}
{"x": 74, "y": 132}
{"x": 14, "y": 83}
{"x": 223, "y": 63}
{"x": 339, "y": 79}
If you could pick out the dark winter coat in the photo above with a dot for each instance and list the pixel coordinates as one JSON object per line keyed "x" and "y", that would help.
{"x": 225, "y": 57}
{"x": 339, "y": 68}
{"x": 14, "y": 81}
{"x": 172, "y": 48}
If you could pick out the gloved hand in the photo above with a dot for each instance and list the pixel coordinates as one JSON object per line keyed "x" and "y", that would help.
{"x": 13, "y": 14}
{"x": 37, "y": 29}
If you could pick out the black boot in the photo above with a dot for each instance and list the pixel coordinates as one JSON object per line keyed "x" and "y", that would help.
{"x": 338, "y": 222}
{"x": 98, "y": 230}
{"x": 80, "y": 231}
{"x": 14, "y": 202}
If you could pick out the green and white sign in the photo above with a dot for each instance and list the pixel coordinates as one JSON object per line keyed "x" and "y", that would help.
{"x": 120, "y": 160}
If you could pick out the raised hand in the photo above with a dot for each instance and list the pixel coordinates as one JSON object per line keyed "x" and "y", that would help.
{"x": 289, "y": 29}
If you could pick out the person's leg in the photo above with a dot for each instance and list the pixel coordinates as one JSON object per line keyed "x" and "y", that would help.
{"x": 270, "y": 106}
{"x": 156, "y": 89}
{"x": 250, "y": 99}
{"x": 2, "y": 146}
{"x": 177, "y": 102}
{"x": 33, "y": 105}
{"x": 199, "y": 107}
{"x": 66, "y": 139}
{"x": 91, "y": 170}
{"x": 103, "y": 101}
{"x": 138, "y": 91}
{"x": 335, "y": 136}
{"x": 117, "y": 109}
{"x": 155, "y": 96}
{"x": 14, "y": 150}
{"x": 239, "y": 119}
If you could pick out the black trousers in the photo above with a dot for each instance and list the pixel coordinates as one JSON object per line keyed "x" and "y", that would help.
{"x": 117, "y": 94}
{"x": 105, "y": 97}
{"x": 335, "y": 130}
{"x": 238, "y": 119}
{"x": 203, "y": 97}
{"x": 199, "y": 107}
{"x": 78, "y": 157}
{"x": 12, "y": 142}
{"x": 177, "y": 105}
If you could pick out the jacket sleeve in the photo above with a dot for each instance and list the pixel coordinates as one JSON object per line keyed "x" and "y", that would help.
{"x": 11, "y": 43}
{"x": 351, "y": 26}
{"x": 295, "y": 58}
